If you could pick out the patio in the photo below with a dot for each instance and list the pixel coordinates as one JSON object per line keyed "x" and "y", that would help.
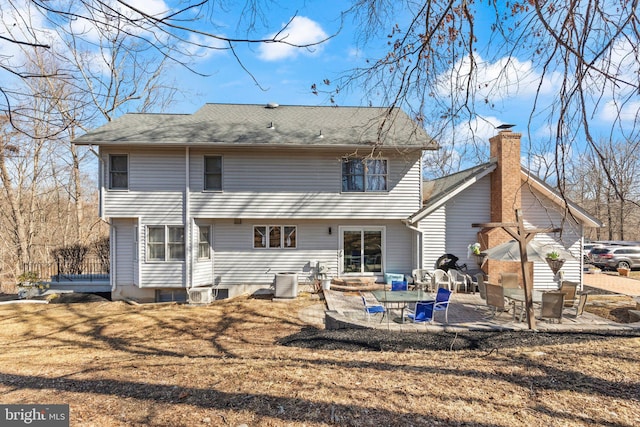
{"x": 466, "y": 312}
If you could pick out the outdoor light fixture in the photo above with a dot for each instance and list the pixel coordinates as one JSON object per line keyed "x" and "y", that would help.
{"x": 329, "y": 230}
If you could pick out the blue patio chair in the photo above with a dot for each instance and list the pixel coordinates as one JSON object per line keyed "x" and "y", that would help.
{"x": 398, "y": 285}
{"x": 425, "y": 310}
{"x": 370, "y": 309}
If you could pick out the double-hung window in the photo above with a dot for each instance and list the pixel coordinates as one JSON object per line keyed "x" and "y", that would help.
{"x": 204, "y": 242}
{"x": 213, "y": 173}
{"x": 364, "y": 175}
{"x": 118, "y": 172}
{"x": 275, "y": 236}
{"x": 165, "y": 243}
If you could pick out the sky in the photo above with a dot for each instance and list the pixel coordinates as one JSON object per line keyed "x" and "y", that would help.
{"x": 285, "y": 74}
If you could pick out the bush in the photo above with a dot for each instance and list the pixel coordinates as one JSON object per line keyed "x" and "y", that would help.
{"x": 101, "y": 250}
{"x": 69, "y": 258}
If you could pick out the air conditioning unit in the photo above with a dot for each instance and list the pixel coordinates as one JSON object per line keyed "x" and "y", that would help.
{"x": 200, "y": 296}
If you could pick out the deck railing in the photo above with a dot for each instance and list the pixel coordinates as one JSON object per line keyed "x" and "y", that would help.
{"x": 87, "y": 270}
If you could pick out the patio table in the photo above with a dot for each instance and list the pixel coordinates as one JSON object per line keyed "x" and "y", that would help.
{"x": 516, "y": 296}
{"x": 402, "y": 297}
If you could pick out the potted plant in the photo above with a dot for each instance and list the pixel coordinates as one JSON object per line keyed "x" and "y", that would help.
{"x": 474, "y": 249}
{"x": 623, "y": 271}
{"x": 554, "y": 261}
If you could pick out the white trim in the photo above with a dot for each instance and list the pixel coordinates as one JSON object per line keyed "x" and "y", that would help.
{"x": 361, "y": 228}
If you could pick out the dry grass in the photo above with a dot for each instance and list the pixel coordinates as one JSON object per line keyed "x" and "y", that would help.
{"x": 223, "y": 364}
{"x": 612, "y": 307}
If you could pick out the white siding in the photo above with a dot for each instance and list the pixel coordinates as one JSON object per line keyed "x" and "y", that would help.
{"x": 399, "y": 249}
{"x": 159, "y": 274}
{"x": 448, "y": 229}
{"x": 540, "y": 212}
{"x": 433, "y": 237}
{"x": 237, "y": 262}
{"x": 300, "y": 184}
{"x": 156, "y": 186}
{"x": 157, "y": 208}
{"x": 469, "y": 207}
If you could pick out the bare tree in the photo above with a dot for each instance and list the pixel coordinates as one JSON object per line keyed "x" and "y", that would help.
{"x": 175, "y": 36}
{"x": 437, "y": 68}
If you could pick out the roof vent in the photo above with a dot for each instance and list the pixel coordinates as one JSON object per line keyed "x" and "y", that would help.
{"x": 272, "y": 105}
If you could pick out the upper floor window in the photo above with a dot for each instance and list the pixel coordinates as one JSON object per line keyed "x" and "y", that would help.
{"x": 359, "y": 175}
{"x": 165, "y": 243}
{"x": 118, "y": 172}
{"x": 213, "y": 173}
{"x": 275, "y": 236}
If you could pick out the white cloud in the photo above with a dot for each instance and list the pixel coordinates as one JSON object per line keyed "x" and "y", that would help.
{"x": 150, "y": 7}
{"x": 498, "y": 81}
{"x": 474, "y": 130}
{"x": 300, "y": 31}
{"x": 628, "y": 113}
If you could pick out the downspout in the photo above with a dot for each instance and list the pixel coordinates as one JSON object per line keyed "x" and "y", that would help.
{"x": 418, "y": 258}
{"x": 188, "y": 224}
{"x": 112, "y": 245}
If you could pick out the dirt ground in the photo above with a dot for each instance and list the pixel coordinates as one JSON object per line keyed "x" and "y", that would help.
{"x": 254, "y": 362}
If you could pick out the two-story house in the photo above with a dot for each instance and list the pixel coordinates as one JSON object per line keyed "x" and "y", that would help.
{"x": 233, "y": 194}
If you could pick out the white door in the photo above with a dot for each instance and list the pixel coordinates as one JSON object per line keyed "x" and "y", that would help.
{"x": 124, "y": 246}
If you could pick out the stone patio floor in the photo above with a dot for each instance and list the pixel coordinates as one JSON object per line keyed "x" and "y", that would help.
{"x": 468, "y": 311}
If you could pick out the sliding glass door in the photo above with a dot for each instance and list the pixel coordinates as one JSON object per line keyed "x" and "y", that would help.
{"x": 362, "y": 249}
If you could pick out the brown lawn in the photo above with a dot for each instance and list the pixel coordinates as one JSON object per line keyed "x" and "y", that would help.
{"x": 225, "y": 365}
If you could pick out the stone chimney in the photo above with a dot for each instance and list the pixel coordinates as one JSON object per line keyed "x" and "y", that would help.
{"x": 506, "y": 197}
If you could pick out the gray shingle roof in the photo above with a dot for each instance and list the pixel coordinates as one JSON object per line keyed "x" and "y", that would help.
{"x": 246, "y": 124}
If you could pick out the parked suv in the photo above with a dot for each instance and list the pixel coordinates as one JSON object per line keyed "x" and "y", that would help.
{"x": 616, "y": 257}
{"x": 586, "y": 251}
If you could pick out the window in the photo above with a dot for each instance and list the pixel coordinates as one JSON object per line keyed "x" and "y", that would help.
{"x": 155, "y": 243}
{"x": 274, "y": 236}
{"x": 165, "y": 243}
{"x": 363, "y": 249}
{"x": 118, "y": 172}
{"x": 204, "y": 242}
{"x": 360, "y": 175}
{"x": 213, "y": 173}
{"x": 176, "y": 243}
